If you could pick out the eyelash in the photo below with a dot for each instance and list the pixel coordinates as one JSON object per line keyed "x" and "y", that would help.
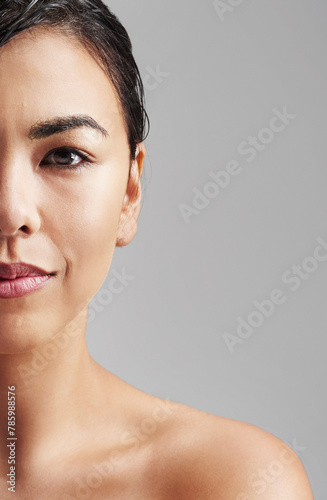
{"x": 84, "y": 156}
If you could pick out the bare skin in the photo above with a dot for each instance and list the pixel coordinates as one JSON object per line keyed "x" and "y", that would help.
{"x": 82, "y": 432}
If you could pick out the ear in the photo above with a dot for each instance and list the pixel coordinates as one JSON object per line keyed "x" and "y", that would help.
{"x": 131, "y": 207}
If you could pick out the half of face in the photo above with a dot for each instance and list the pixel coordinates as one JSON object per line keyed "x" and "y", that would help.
{"x": 66, "y": 195}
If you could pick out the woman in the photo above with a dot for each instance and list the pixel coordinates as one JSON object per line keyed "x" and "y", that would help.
{"x": 72, "y": 126}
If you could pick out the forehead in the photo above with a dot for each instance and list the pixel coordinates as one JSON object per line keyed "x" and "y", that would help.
{"x": 46, "y": 73}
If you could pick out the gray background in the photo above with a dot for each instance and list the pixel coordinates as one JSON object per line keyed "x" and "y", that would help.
{"x": 163, "y": 333}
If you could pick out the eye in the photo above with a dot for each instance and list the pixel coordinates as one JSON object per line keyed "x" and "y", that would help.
{"x": 62, "y": 158}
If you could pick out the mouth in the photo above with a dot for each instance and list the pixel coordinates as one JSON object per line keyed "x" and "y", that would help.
{"x": 27, "y": 276}
{"x": 19, "y": 279}
{"x": 20, "y": 270}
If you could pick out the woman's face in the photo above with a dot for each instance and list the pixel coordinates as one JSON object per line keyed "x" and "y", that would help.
{"x": 65, "y": 221}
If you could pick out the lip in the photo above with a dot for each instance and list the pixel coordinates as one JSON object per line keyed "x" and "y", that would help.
{"x": 19, "y": 279}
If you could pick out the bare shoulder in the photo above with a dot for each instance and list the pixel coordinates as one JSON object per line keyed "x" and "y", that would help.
{"x": 199, "y": 455}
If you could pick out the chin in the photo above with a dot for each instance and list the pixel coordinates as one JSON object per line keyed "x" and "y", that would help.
{"x": 21, "y": 332}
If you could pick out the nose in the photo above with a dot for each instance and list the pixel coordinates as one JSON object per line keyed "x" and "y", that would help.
{"x": 18, "y": 209}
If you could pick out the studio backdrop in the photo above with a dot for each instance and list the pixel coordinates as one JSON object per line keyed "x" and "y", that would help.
{"x": 219, "y": 302}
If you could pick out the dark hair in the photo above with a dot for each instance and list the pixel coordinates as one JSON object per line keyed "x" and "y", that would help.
{"x": 100, "y": 31}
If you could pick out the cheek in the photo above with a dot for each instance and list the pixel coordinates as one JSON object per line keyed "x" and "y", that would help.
{"x": 88, "y": 230}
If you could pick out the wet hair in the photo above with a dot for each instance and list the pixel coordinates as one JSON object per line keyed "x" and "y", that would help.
{"x": 100, "y": 31}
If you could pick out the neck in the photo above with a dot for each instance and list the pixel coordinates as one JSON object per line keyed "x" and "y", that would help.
{"x": 57, "y": 388}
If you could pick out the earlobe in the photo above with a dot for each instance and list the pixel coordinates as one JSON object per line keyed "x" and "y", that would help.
{"x": 131, "y": 207}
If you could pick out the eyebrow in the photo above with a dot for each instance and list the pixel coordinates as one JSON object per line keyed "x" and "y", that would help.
{"x": 42, "y": 130}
